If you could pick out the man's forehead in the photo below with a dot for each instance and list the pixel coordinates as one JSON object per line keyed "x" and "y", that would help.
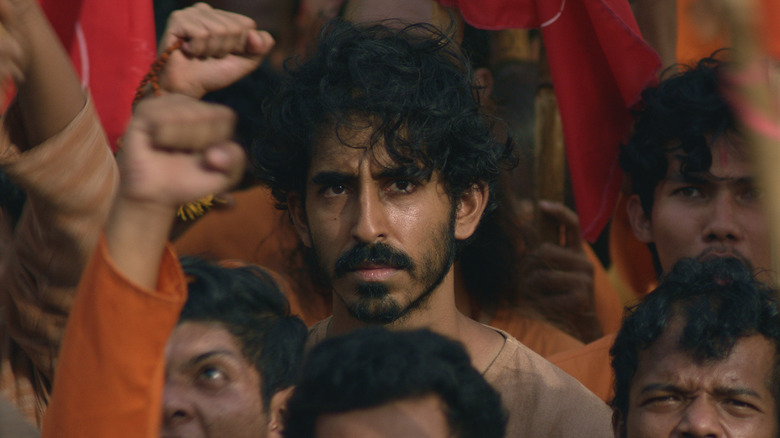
{"x": 727, "y": 163}
{"x": 348, "y": 145}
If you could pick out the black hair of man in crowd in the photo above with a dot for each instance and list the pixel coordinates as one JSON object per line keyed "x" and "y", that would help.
{"x": 684, "y": 114}
{"x": 414, "y": 84}
{"x": 374, "y": 366}
{"x": 247, "y": 302}
{"x": 719, "y": 302}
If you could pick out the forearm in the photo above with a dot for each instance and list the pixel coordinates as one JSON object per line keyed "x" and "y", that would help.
{"x": 50, "y": 95}
{"x": 58, "y": 229}
{"x": 136, "y": 235}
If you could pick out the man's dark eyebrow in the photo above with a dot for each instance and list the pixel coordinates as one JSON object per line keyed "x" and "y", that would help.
{"x": 328, "y": 178}
{"x": 666, "y": 387}
{"x": 705, "y": 177}
{"x": 690, "y": 178}
{"x": 737, "y": 391}
{"x": 720, "y": 391}
{"x": 193, "y": 362}
{"x": 408, "y": 171}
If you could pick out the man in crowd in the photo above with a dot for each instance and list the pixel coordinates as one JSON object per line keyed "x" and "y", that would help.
{"x": 699, "y": 357}
{"x": 377, "y": 383}
{"x": 233, "y": 356}
{"x": 693, "y": 191}
{"x": 377, "y": 147}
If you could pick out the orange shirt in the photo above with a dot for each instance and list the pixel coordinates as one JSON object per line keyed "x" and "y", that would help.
{"x": 535, "y": 333}
{"x": 591, "y": 365}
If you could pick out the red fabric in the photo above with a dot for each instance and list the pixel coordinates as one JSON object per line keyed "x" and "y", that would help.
{"x": 599, "y": 65}
{"x": 112, "y": 45}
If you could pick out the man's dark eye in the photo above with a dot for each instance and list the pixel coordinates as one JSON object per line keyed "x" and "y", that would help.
{"x": 688, "y": 192}
{"x": 403, "y": 186}
{"x": 334, "y": 190}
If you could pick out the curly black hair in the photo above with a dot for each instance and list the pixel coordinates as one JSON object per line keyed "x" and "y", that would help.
{"x": 413, "y": 84}
{"x": 685, "y": 114}
{"x": 720, "y": 302}
{"x": 374, "y": 366}
{"x": 247, "y": 302}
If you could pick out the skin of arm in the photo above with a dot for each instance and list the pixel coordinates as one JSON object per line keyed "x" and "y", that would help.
{"x": 47, "y": 102}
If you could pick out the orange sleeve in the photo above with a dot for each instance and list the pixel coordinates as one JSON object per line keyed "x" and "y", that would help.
{"x": 590, "y": 365}
{"x": 110, "y": 376}
{"x": 609, "y": 309}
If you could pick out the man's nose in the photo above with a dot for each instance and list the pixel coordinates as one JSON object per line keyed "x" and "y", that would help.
{"x": 177, "y": 408}
{"x": 722, "y": 221}
{"x": 370, "y": 216}
{"x": 700, "y": 419}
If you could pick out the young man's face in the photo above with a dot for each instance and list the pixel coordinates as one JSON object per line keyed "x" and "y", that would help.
{"x": 211, "y": 390}
{"x": 422, "y": 417}
{"x": 707, "y": 214}
{"x": 673, "y": 396}
{"x": 384, "y": 239}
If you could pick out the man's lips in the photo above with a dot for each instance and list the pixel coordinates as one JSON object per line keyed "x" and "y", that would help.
{"x": 371, "y": 272}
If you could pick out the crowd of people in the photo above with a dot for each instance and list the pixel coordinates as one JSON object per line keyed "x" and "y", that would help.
{"x": 381, "y": 270}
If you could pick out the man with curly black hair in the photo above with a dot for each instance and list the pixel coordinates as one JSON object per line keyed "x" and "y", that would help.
{"x": 699, "y": 357}
{"x": 693, "y": 191}
{"x": 693, "y": 188}
{"x": 377, "y": 147}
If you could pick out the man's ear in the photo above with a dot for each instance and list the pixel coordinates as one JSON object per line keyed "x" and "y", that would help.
{"x": 484, "y": 79}
{"x": 470, "y": 207}
{"x": 277, "y": 412}
{"x": 298, "y": 217}
{"x": 640, "y": 223}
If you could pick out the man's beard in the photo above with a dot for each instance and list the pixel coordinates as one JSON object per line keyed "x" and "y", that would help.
{"x": 373, "y": 304}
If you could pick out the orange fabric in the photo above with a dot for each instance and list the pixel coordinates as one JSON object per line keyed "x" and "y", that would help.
{"x": 111, "y": 371}
{"x": 537, "y": 334}
{"x": 606, "y": 301}
{"x": 631, "y": 259}
{"x": 693, "y": 45}
{"x": 591, "y": 365}
{"x": 255, "y": 231}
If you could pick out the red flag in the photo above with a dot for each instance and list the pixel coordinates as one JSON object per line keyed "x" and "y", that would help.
{"x": 599, "y": 65}
{"x": 112, "y": 45}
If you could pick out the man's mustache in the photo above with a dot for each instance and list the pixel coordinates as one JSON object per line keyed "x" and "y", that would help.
{"x": 379, "y": 254}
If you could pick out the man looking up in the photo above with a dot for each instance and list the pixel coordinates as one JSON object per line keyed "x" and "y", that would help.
{"x": 693, "y": 191}
{"x": 377, "y": 147}
{"x": 699, "y": 357}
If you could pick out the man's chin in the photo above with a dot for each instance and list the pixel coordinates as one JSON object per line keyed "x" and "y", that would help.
{"x": 376, "y": 311}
